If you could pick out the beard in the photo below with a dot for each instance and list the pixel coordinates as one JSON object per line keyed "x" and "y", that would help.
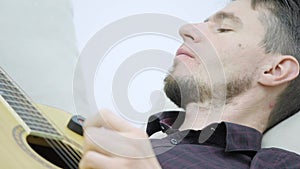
{"x": 190, "y": 89}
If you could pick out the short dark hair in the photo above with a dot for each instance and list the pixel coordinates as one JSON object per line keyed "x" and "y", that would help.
{"x": 282, "y": 24}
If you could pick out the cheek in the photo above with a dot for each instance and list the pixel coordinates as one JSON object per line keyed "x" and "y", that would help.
{"x": 239, "y": 59}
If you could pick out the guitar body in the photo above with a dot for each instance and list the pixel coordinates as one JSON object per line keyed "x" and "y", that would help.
{"x": 19, "y": 149}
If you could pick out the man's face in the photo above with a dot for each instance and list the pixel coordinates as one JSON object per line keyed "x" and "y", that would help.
{"x": 225, "y": 50}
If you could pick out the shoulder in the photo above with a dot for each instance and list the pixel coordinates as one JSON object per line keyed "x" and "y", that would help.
{"x": 276, "y": 158}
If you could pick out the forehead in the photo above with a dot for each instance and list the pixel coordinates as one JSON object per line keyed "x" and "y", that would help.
{"x": 243, "y": 11}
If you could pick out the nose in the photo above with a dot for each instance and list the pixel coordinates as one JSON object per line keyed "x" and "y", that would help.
{"x": 190, "y": 32}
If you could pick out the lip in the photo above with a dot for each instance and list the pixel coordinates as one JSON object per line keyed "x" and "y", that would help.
{"x": 182, "y": 51}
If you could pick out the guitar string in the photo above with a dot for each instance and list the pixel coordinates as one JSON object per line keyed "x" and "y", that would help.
{"x": 61, "y": 152}
{"x": 69, "y": 149}
{"x": 75, "y": 157}
{"x": 52, "y": 144}
{"x": 38, "y": 124}
{"x": 26, "y": 103}
{"x": 62, "y": 155}
{"x": 69, "y": 157}
{"x": 66, "y": 151}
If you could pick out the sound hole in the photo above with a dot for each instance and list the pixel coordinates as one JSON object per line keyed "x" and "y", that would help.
{"x": 56, "y": 152}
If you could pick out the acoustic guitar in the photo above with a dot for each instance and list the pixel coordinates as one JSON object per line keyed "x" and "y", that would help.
{"x": 34, "y": 136}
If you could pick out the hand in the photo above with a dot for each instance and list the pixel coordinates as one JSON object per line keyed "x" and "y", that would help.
{"x": 111, "y": 142}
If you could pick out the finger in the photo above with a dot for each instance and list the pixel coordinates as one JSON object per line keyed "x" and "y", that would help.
{"x": 104, "y": 141}
{"x": 94, "y": 160}
{"x": 93, "y": 140}
{"x": 105, "y": 128}
{"x": 109, "y": 120}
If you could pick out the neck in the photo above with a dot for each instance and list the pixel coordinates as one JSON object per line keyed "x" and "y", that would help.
{"x": 251, "y": 108}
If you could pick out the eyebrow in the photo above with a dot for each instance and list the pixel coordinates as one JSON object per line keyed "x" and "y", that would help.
{"x": 220, "y": 16}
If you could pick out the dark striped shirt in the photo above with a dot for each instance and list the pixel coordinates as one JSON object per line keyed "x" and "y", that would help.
{"x": 217, "y": 146}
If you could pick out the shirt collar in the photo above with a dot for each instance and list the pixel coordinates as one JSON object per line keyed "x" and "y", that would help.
{"x": 233, "y": 137}
{"x": 166, "y": 122}
{"x": 242, "y": 138}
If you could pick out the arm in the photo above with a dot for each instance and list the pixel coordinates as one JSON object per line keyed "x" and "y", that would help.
{"x": 111, "y": 142}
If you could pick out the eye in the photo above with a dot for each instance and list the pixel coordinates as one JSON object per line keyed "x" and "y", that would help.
{"x": 222, "y": 30}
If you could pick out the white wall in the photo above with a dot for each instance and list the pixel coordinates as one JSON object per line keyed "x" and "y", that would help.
{"x": 92, "y": 16}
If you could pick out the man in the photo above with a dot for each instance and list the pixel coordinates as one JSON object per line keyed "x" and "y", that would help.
{"x": 238, "y": 72}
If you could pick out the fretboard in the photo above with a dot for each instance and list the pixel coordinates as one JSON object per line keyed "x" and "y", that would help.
{"x": 22, "y": 106}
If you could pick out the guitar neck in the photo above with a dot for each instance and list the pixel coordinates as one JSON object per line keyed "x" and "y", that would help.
{"x": 22, "y": 108}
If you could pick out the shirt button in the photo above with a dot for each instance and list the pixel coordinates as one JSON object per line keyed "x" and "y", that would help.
{"x": 174, "y": 141}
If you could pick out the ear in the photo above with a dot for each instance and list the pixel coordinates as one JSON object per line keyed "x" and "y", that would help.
{"x": 284, "y": 69}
